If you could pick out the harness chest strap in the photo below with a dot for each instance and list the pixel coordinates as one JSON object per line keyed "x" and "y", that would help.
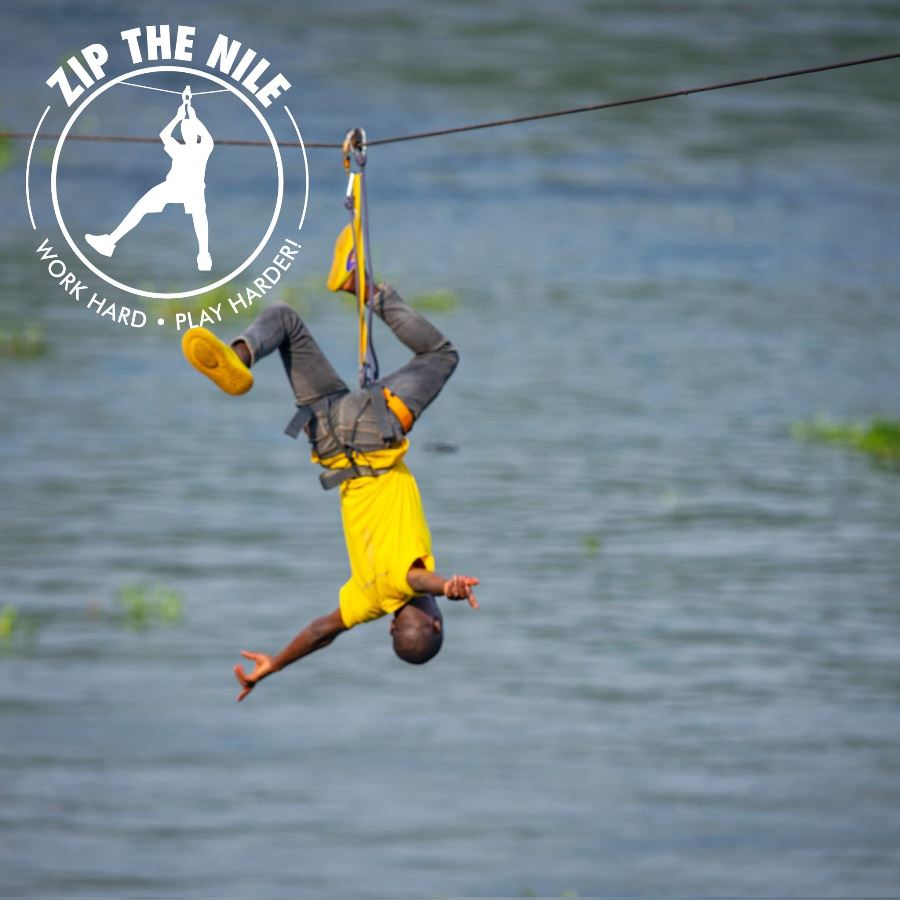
{"x": 382, "y": 401}
{"x": 379, "y": 407}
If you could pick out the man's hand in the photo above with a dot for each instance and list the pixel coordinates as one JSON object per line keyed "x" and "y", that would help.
{"x": 263, "y": 665}
{"x": 459, "y": 587}
{"x": 318, "y": 634}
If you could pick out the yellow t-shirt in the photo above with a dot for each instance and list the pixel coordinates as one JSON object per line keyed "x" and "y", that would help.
{"x": 385, "y": 531}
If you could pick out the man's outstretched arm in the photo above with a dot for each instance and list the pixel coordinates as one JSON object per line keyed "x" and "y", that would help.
{"x": 459, "y": 587}
{"x": 318, "y": 634}
{"x": 205, "y": 136}
{"x": 165, "y": 135}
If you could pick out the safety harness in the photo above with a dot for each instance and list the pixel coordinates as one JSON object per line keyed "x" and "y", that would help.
{"x": 339, "y": 427}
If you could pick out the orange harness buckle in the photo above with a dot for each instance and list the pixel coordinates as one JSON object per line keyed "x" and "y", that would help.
{"x": 399, "y": 409}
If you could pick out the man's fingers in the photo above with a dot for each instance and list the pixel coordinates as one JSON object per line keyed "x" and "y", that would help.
{"x": 244, "y": 681}
{"x": 460, "y": 587}
{"x": 248, "y": 654}
{"x": 466, "y": 580}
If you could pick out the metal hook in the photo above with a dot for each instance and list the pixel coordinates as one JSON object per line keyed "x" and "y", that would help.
{"x": 354, "y": 143}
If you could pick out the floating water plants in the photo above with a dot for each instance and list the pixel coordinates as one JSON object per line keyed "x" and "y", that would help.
{"x": 435, "y": 301}
{"x": 22, "y": 341}
{"x": 9, "y": 621}
{"x": 195, "y": 305}
{"x": 6, "y": 153}
{"x": 15, "y": 628}
{"x": 296, "y": 296}
{"x": 145, "y": 605}
{"x": 880, "y": 438}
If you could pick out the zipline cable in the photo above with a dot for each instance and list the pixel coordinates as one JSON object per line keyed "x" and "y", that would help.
{"x": 612, "y": 104}
{"x": 147, "y": 87}
{"x": 494, "y": 123}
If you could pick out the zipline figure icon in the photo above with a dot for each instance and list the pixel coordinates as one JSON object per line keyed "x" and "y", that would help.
{"x": 185, "y": 184}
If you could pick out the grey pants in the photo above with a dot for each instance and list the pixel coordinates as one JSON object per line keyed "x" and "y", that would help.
{"x": 313, "y": 378}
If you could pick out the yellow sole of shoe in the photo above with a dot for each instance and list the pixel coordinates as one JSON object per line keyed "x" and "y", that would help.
{"x": 216, "y": 360}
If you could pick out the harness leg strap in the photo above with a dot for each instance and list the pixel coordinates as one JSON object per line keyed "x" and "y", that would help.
{"x": 334, "y": 477}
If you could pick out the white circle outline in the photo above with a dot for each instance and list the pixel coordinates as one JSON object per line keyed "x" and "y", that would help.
{"x": 155, "y": 294}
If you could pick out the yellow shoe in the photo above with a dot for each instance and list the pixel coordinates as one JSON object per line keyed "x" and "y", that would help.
{"x": 343, "y": 264}
{"x": 216, "y": 360}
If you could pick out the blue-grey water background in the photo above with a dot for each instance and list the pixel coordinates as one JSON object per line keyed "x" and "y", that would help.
{"x": 684, "y": 675}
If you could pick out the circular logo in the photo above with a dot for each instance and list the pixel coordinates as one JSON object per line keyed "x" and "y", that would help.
{"x": 183, "y": 186}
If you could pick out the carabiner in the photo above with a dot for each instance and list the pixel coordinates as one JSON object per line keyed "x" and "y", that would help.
{"x": 355, "y": 144}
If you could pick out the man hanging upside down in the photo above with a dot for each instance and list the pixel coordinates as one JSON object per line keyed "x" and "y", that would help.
{"x": 359, "y": 438}
{"x": 185, "y": 184}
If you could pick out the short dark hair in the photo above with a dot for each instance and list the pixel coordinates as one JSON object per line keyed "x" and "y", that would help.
{"x": 418, "y": 630}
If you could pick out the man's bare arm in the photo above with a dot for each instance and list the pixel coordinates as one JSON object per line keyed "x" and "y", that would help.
{"x": 459, "y": 587}
{"x": 318, "y": 634}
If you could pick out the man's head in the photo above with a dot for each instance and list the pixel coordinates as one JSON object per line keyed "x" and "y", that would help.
{"x": 189, "y": 131}
{"x": 418, "y": 630}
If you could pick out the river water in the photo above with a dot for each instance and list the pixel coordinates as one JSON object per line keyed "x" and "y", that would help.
{"x": 684, "y": 676}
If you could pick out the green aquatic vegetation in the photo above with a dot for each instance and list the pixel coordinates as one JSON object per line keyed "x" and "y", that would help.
{"x": 592, "y": 544}
{"x": 435, "y": 301}
{"x": 148, "y": 605}
{"x": 882, "y": 439}
{"x": 15, "y": 628}
{"x": 879, "y": 438}
{"x": 293, "y": 295}
{"x": 310, "y": 284}
{"x": 6, "y": 153}
{"x": 22, "y": 341}
{"x": 9, "y": 622}
{"x": 439, "y": 301}
{"x": 195, "y": 305}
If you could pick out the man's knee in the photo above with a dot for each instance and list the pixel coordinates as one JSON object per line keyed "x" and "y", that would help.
{"x": 154, "y": 201}
{"x": 450, "y": 355}
{"x": 286, "y": 313}
{"x": 152, "y": 205}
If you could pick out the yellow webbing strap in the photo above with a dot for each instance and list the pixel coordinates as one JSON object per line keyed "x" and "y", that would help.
{"x": 360, "y": 251}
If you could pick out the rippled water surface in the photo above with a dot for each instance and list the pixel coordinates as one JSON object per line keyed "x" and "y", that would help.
{"x": 684, "y": 675}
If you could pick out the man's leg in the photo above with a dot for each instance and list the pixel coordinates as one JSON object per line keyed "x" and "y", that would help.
{"x": 154, "y": 201}
{"x": 280, "y": 328}
{"x": 421, "y": 379}
{"x": 201, "y": 229}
